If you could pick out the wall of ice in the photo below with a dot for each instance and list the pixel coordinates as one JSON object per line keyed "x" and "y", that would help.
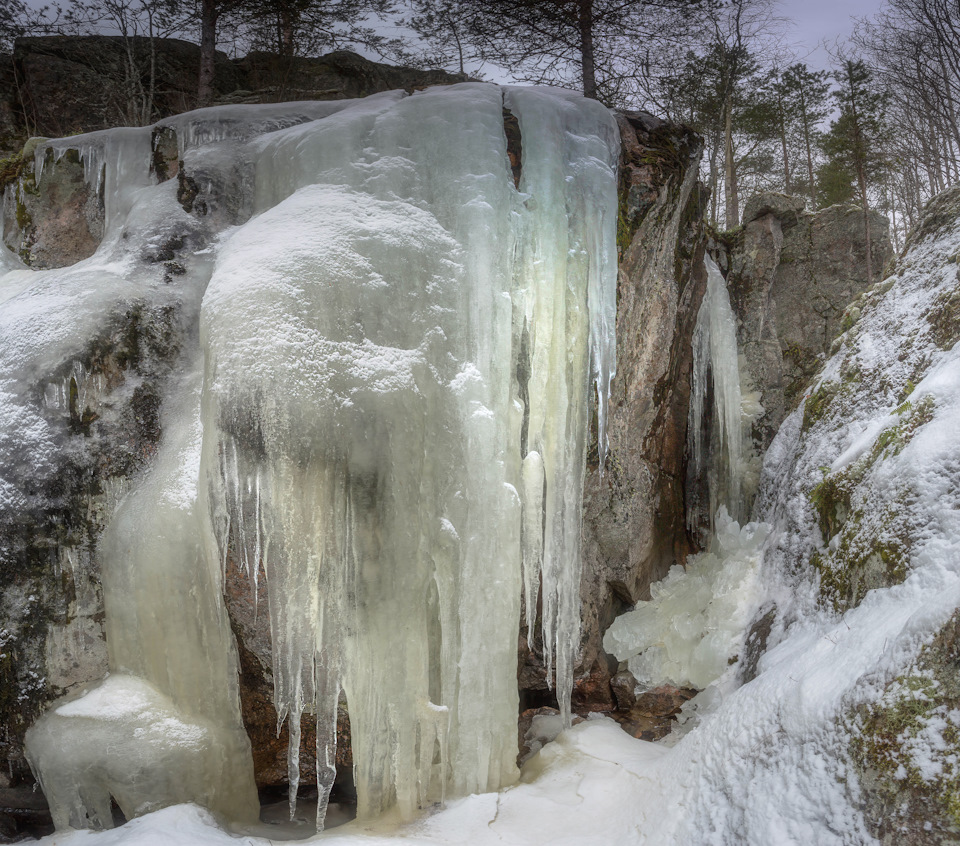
{"x": 398, "y": 346}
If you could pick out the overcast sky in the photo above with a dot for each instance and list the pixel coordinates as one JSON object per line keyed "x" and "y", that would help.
{"x": 819, "y": 20}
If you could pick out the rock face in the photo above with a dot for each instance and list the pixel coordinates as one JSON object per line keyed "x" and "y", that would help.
{"x": 57, "y": 222}
{"x": 859, "y": 482}
{"x": 633, "y": 520}
{"x": 791, "y": 274}
{"x": 60, "y": 85}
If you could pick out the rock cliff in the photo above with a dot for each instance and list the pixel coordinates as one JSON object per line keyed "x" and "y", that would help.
{"x": 61, "y": 85}
{"x": 791, "y": 275}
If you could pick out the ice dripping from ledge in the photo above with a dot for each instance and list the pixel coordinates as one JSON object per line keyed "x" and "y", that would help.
{"x": 366, "y": 335}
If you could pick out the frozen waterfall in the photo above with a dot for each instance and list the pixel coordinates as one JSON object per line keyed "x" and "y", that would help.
{"x": 399, "y": 345}
{"x": 716, "y": 452}
{"x": 696, "y": 619}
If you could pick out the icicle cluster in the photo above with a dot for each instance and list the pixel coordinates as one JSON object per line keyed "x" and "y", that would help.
{"x": 717, "y": 455}
{"x": 398, "y": 362}
{"x": 398, "y": 347}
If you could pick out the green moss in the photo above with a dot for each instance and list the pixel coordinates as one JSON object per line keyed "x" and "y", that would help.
{"x": 11, "y": 169}
{"x": 818, "y": 402}
{"x": 901, "y": 795}
{"x": 860, "y": 562}
{"x": 831, "y": 501}
{"x": 859, "y": 557}
{"x": 850, "y": 318}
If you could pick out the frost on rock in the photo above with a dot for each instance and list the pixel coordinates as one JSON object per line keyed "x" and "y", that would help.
{"x": 398, "y": 362}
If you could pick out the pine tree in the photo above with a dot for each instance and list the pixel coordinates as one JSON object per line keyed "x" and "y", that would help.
{"x": 805, "y": 95}
{"x": 855, "y": 146}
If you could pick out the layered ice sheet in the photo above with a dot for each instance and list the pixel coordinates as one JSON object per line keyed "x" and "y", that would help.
{"x": 399, "y": 352}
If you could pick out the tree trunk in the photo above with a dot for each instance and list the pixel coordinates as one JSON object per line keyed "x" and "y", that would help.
{"x": 285, "y": 30}
{"x": 730, "y": 169}
{"x": 862, "y": 181}
{"x": 786, "y": 158}
{"x": 208, "y": 51}
{"x": 806, "y": 140}
{"x": 587, "y": 58}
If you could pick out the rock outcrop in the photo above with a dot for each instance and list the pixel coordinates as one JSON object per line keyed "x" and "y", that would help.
{"x": 634, "y": 513}
{"x": 862, "y": 482}
{"x": 791, "y": 275}
{"x": 61, "y": 85}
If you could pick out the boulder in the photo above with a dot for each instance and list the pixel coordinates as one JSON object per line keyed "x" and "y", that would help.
{"x": 56, "y": 220}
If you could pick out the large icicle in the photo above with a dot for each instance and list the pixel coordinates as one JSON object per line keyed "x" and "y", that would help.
{"x": 363, "y": 415}
{"x": 718, "y": 456}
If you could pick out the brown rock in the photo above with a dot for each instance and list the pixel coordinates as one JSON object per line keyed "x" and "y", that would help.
{"x": 58, "y": 220}
{"x": 654, "y": 713}
{"x": 624, "y": 687}
{"x": 664, "y": 701}
{"x": 633, "y": 520}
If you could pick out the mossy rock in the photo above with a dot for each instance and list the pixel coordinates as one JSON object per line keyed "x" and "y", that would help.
{"x": 906, "y": 748}
{"x": 944, "y": 319}
{"x": 818, "y": 403}
{"x": 861, "y": 553}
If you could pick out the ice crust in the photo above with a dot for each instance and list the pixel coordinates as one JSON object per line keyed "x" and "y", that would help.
{"x": 384, "y": 415}
{"x": 364, "y": 434}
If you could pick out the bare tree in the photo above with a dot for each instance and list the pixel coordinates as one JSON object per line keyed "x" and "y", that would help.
{"x": 585, "y": 44}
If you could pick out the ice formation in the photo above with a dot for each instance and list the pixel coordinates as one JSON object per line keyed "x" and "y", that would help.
{"x": 694, "y": 623}
{"x": 398, "y": 358}
{"x": 696, "y": 619}
{"x": 397, "y": 347}
{"x": 716, "y": 452}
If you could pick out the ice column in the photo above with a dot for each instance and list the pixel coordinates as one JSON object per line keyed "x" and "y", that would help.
{"x": 399, "y": 358}
{"x": 165, "y": 726}
{"x": 717, "y": 454}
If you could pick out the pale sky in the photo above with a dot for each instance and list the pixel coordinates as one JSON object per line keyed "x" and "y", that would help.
{"x": 816, "y": 20}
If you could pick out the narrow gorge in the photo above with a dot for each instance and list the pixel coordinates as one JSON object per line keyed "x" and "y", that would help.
{"x": 423, "y": 459}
